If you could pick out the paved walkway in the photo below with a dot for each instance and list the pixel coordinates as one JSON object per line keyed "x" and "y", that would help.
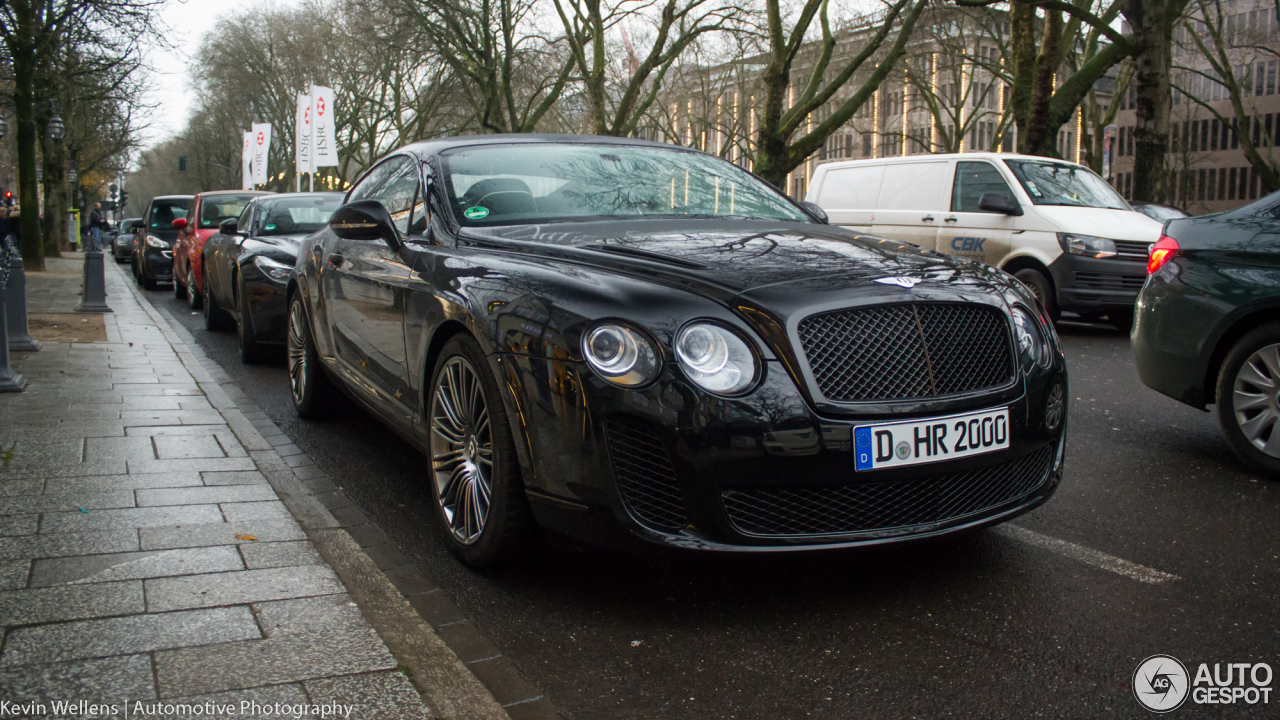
{"x": 155, "y": 547}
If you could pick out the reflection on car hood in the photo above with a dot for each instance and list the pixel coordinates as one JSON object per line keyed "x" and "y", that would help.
{"x": 734, "y": 256}
{"x": 1102, "y": 222}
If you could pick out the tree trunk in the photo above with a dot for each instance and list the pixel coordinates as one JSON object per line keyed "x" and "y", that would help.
{"x": 1040, "y": 138}
{"x": 54, "y": 223}
{"x": 1022, "y": 30}
{"x": 772, "y": 162}
{"x": 28, "y": 192}
{"x": 1152, "y": 23}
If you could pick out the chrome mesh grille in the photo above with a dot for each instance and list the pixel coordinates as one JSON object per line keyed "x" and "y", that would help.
{"x": 888, "y": 505}
{"x": 645, "y": 474}
{"x": 901, "y": 352}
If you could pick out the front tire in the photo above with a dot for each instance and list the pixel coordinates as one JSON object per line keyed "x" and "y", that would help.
{"x": 1248, "y": 400}
{"x": 1042, "y": 287}
{"x": 194, "y": 300}
{"x": 479, "y": 497}
{"x": 308, "y": 385}
{"x": 179, "y": 291}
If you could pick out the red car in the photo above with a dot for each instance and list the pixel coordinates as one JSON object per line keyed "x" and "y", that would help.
{"x": 207, "y": 210}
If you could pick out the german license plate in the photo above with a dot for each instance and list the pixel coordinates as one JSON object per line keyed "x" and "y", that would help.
{"x": 913, "y": 442}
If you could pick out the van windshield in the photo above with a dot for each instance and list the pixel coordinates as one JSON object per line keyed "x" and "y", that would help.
{"x": 1058, "y": 183}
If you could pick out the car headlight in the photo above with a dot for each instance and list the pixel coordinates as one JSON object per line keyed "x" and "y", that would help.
{"x": 715, "y": 358}
{"x": 156, "y": 242}
{"x": 1032, "y": 346}
{"x": 276, "y": 271}
{"x": 620, "y": 355}
{"x": 1087, "y": 245}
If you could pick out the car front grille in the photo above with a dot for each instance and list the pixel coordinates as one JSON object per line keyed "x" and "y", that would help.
{"x": 902, "y": 352}
{"x": 1104, "y": 281}
{"x": 1132, "y": 250}
{"x": 645, "y": 475}
{"x": 886, "y": 506}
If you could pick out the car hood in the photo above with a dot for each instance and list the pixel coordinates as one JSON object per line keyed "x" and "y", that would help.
{"x": 1102, "y": 222}
{"x": 726, "y": 257}
{"x": 287, "y": 244}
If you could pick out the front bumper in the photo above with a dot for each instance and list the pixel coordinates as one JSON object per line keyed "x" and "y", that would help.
{"x": 157, "y": 264}
{"x": 1096, "y": 284}
{"x": 668, "y": 466}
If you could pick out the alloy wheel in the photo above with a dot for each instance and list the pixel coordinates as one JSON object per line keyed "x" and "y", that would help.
{"x": 461, "y": 450}
{"x": 1256, "y": 399}
{"x": 297, "y": 351}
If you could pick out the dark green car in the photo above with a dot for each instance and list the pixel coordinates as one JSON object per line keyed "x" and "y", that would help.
{"x": 1207, "y": 324}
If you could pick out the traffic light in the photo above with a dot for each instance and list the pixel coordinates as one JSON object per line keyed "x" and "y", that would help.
{"x": 124, "y": 199}
{"x": 182, "y": 163}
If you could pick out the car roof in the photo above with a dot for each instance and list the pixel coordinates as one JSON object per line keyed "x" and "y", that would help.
{"x": 172, "y": 197}
{"x": 255, "y": 193}
{"x": 318, "y": 194}
{"x": 427, "y": 148}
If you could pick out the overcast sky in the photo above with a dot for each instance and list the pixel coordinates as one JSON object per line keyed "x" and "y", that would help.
{"x": 187, "y": 22}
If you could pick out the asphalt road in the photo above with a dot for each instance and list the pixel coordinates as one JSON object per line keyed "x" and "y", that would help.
{"x": 997, "y": 624}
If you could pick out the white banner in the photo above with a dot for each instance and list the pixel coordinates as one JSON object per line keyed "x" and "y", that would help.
{"x": 246, "y": 163}
{"x": 302, "y": 134}
{"x": 261, "y": 151}
{"x": 324, "y": 151}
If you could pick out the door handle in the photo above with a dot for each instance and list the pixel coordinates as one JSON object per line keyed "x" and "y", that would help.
{"x": 951, "y": 219}
{"x": 927, "y": 218}
{"x": 335, "y": 260}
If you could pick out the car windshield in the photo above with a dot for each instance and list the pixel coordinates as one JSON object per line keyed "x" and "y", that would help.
{"x": 297, "y": 215}
{"x": 1057, "y": 183}
{"x": 164, "y": 212}
{"x": 216, "y": 208}
{"x": 518, "y": 184}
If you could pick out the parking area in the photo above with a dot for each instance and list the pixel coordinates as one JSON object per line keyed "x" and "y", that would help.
{"x": 1157, "y": 542}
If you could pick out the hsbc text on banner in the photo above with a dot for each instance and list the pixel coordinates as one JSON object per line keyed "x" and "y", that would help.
{"x": 324, "y": 152}
{"x": 261, "y": 149}
{"x": 302, "y": 134}
{"x": 246, "y": 162}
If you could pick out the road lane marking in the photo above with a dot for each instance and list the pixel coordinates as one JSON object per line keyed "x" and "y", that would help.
{"x": 1089, "y": 556}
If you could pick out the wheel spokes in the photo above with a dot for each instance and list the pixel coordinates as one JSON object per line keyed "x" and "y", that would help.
{"x": 461, "y": 450}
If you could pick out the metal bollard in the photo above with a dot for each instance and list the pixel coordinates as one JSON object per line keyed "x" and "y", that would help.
{"x": 94, "y": 297}
{"x": 10, "y": 381}
{"x": 20, "y": 339}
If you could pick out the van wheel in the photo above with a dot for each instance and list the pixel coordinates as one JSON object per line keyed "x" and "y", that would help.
{"x": 1043, "y": 289}
{"x": 1248, "y": 401}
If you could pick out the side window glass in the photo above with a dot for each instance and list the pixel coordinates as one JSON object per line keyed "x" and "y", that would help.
{"x": 973, "y": 180}
{"x": 394, "y": 183}
{"x": 419, "y": 224}
{"x": 371, "y": 183}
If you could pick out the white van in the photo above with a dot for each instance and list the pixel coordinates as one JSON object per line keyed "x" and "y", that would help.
{"x": 1055, "y": 225}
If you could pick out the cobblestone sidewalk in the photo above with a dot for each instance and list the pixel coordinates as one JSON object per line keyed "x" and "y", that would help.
{"x": 146, "y": 555}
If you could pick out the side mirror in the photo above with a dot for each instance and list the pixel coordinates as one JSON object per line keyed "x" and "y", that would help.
{"x": 365, "y": 220}
{"x": 814, "y": 210}
{"x": 992, "y": 202}
{"x": 179, "y": 224}
{"x": 228, "y": 226}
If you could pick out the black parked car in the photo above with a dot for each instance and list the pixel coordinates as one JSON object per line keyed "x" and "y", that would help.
{"x": 1207, "y": 325}
{"x": 122, "y": 241}
{"x": 248, "y": 262}
{"x": 626, "y": 341}
{"x": 153, "y": 252}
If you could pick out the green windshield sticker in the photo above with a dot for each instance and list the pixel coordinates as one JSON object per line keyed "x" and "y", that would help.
{"x": 476, "y": 213}
{"x": 270, "y": 227}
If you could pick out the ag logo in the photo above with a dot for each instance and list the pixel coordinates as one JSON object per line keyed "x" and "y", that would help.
{"x": 1161, "y": 683}
{"x": 906, "y": 282}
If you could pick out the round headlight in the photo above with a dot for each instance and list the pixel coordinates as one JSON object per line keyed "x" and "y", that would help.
{"x": 715, "y": 358}
{"x": 620, "y": 355}
{"x": 1031, "y": 343}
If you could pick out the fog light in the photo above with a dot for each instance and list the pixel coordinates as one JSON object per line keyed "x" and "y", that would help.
{"x": 1054, "y": 407}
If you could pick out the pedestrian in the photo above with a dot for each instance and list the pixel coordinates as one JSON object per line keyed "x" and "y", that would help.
{"x": 95, "y": 227}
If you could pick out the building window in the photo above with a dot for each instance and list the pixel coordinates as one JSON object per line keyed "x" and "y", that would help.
{"x": 1271, "y": 78}
{"x": 1211, "y": 185}
{"x": 1200, "y": 186}
{"x": 1231, "y": 184}
{"x": 866, "y": 145}
{"x": 1222, "y": 183}
{"x": 1253, "y": 183}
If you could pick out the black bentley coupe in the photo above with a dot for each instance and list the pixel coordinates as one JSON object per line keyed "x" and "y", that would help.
{"x": 247, "y": 265}
{"x": 623, "y": 341}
